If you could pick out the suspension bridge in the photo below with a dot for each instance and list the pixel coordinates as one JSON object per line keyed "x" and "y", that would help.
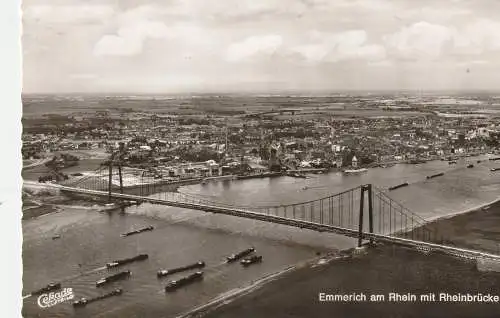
{"x": 365, "y": 213}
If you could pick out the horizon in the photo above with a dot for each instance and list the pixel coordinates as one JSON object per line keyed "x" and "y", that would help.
{"x": 283, "y": 93}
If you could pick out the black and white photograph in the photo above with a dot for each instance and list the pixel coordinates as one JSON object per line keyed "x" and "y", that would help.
{"x": 260, "y": 158}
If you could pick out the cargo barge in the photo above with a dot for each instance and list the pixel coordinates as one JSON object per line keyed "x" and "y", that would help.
{"x": 435, "y": 175}
{"x": 175, "y": 284}
{"x": 239, "y": 255}
{"x": 148, "y": 228}
{"x": 398, "y": 186}
{"x": 117, "y": 263}
{"x": 165, "y": 272}
{"x": 113, "y": 278}
{"x": 46, "y": 289}
{"x": 251, "y": 260}
{"x": 84, "y": 301}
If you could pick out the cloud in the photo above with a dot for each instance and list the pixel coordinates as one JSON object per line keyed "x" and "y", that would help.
{"x": 61, "y": 14}
{"x": 340, "y": 46}
{"x": 477, "y": 37}
{"x": 130, "y": 39}
{"x": 424, "y": 40}
{"x": 263, "y": 45}
{"x": 436, "y": 12}
{"x": 114, "y": 45}
{"x": 420, "y": 40}
{"x": 219, "y": 10}
{"x": 383, "y": 63}
{"x": 369, "y": 5}
{"x": 252, "y": 40}
{"x": 83, "y": 76}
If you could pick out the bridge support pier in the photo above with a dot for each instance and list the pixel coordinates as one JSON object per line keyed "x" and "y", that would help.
{"x": 365, "y": 189}
{"x": 361, "y": 216}
{"x": 110, "y": 170}
{"x": 120, "y": 176}
{"x": 370, "y": 209}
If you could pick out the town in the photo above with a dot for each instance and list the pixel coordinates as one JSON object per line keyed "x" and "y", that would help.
{"x": 281, "y": 134}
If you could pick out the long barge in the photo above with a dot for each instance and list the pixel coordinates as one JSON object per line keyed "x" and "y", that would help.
{"x": 297, "y": 175}
{"x": 435, "y": 175}
{"x": 46, "y": 289}
{"x": 237, "y": 256}
{"x": 84, "y": 301}
{"x": 113, "y": 278}
{"x": 117, "y": 263}
{"x": 398, "y": 186}
{"x": 175, "y": 284}
{"x": 260, "y": 175}
{"x": 251, "y": 260}
{"x": 165, "y": 272}
{"x": 147, "y": 228}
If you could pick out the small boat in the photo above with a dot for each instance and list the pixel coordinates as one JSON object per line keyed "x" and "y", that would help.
{"x": 148, "y": 228}
{"x": 495, "y": 169}
{"x": 435, "y": 175}
{"x": 84, "y": 301}
{"x": 128, "y": 203}
{"x": 165, "y": 272}
{"x": 48, "y": 288}
{"x": 398, "y": 186}
{"x": 174, "y": 284}
{"x": 239, "y": 255}
{"x": 416, "y": 161}
{"x": 113, "y": 278}
{"x": 117, "y": 263}
{"x": 354, "y": 171}
{"x": 251, "y": 260}
{"x": 470, "y": 166}
{"x": 56, "y": 236}
{"x": 479, "y": 161}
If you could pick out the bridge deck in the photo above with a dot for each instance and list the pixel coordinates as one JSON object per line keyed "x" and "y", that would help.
{"x": 426, "y": 246}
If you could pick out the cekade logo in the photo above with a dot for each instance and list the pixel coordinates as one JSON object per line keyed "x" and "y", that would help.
{"x": 51, "y": 299}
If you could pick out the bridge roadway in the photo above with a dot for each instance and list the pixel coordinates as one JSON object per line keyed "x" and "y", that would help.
{"x": 419, "y": 245}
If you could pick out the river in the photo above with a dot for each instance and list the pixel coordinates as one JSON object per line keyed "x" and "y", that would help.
{"x": 89, "y": 238}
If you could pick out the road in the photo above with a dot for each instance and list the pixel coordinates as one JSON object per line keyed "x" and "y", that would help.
{"x": 37, "y": 163}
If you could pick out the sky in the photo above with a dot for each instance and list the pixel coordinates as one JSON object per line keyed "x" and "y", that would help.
{"x": 188, "y": 46}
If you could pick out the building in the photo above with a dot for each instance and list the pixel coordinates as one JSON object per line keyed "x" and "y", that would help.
{"x": 354, "y": 162}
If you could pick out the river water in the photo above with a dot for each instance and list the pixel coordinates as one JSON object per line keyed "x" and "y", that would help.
{"x": 89, "y": 238}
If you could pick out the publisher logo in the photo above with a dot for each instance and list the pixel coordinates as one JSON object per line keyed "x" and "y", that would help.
{"x": 52, "y": 299}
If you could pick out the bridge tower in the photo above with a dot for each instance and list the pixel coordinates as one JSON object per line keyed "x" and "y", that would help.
{"x": 365, "y": 190}
{"x": 115, "y": 160}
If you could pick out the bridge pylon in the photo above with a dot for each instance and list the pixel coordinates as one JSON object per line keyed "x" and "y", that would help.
{"x": 365, "y": 189}
{"x": 110, "y": 163}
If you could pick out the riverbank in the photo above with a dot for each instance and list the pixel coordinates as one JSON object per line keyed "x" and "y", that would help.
{"x": 384, "y": 269}
{"x": 476, "y": 229}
